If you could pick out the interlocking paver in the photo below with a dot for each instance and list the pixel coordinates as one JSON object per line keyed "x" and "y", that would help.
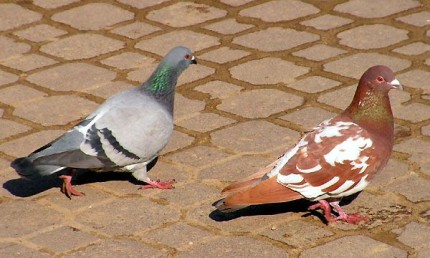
{"x": 267, "y": 72}
{"x": 278, "y": 10}
{"x": 93, "y": 16}
{"x": 275, "y": 39}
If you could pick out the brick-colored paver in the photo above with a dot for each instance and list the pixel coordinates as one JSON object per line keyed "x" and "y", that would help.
{"x": 268, "y": 71}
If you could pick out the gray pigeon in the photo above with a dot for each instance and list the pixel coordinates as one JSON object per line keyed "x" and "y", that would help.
{"x": 125, "y": 133}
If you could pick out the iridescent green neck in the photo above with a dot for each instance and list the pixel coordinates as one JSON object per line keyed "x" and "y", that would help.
{"x": 161, "y": 80}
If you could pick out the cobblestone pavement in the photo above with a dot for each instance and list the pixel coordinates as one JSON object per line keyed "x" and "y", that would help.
{"x": 268, "y": 70}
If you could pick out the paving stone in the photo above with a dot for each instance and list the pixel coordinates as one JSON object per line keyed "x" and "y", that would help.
{"x": 170, "y": 236}
{"x": 40, "y": 33}
{"x": 136, "y": 30}
{"x": 56, "y": 110}
{"x": 424, "y": 253}
{"x": 358, "y": 246}
{"x": 371, "y": 8}
{"x": 194, "y": 74}
{"x": 236, "y": 2}
{"x": 367, "y": 34}
{"x": 224, "y": 55}
{"x": 272, "y": 69}
{"x": 28, "y": 62}
{"x": 142, "y": 4}
{"x": 35, "y": 217}
{"x": 319, "y": 52}
{"x": 308, "y": 117}
{"x": 11, "y": 128}
{"x": 192, "y": 13}
{"x": 416, "y": 235}
{"x": 163, "y": 43}
{"x": 18, "y": 95}
{"x": 275, "y": 11}
{"x": 25, "y": 145}
{"x": 82, "y": 46}
{"x": 72, "y": 77}
{"x": 177, "y": 141}
{"x": 6, "y": 78}
{"x": 275, "y": 39}
{"x": 297, "y": 233}
{"x": 109, "y": 89}
{"x": 122, "y": 248}
{"x": 355, "y": 65}
{"x": 254, "y": 136}
{"x": 234, "y": 169}
{"x": 52, "y": 4}
{"x": 313, "y": 84}
{"x": 54, "y": 240}
{"x": 219, "y": 89}
{"x": 14, "y": 16}
{"x": 416, "y": 79}
{"x": 130, "y": 215}
{"x": 15, "y": 250}
{"x": 419, "y": 19}
{"x": 391, "y": 172}
{"x": 414, "y": 112}
{"x": 199, "y": 156}
{"x": 185, "y": 107}
{"x": 418, "y": 151}
{"x": 234, "y": 246}
{"x": 413, "y": 187}
{"x": 189, "y": 194}
{"x": 425, "y": 130}
{"x": 228, "y": 26}
{"x": 93, "y": 16}
{"x": 127, "y": 60}
{"x": 205, "y": 122}
{"x": 327, "y": 22}
{"x": 12, "y": 48}
{"x": 268, "y": 102}
{"x": 416, "y": 48}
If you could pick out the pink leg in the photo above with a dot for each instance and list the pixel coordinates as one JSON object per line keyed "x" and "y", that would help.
{"x": 159, "y": 184}
{"x": 326, "y": 207}
{"x": 67, "y": 187}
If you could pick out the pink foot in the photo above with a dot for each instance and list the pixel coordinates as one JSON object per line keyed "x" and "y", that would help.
{"x": 67, "y": 187}
{"x": 326, "y": 207}
{"x": 159, "y": 184}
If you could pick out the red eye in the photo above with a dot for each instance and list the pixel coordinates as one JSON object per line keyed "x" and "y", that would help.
{"x": 187, "y": 56}
{"x": 380, "y": 79}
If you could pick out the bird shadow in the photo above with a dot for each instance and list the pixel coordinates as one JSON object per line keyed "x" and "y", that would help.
{"x": 21, "y": 187}
{"x": 276, "y": 208}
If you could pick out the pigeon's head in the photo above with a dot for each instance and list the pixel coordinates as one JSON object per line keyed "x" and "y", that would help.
{"x": 180, "y": 58}
{"x": 380, "y": 77}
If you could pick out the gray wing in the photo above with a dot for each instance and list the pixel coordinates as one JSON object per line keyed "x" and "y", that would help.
{"x": 125, "y": 130}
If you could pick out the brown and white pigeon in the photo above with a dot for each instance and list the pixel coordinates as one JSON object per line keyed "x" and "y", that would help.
{"x": 336, "y": 159}
{"x": 125, "y": 133}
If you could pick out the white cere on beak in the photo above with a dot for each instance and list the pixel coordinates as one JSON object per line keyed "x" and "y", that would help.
{"x": 396, "y": 84}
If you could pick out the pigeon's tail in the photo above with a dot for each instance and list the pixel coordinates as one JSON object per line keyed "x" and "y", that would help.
{"x": 221, "y": 206}
{"x": 26, "y": 169}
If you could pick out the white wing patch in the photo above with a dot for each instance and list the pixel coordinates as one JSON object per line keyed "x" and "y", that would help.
{"x": 309, "y": 191}
{"x": 309, "y": 170}
{"x": 360, "y": 164}
{"x": 285, "y": 158}
{"x": 349, "y": 149}
{"x": 290, "y": 179}
{"x": 331, "y": 130}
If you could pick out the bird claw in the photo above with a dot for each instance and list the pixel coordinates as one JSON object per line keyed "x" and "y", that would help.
{"x": 159, "y": 184}
{"x": 67, "y": 187}
{"x": 348, "y": 218}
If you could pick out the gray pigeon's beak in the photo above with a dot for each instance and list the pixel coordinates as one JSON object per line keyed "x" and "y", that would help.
{"x": 193, "y": 60}
{"x": 396, "y": 84}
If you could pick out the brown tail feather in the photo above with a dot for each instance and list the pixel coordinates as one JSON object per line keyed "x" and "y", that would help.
{"x": 249, "y": 181}
{"x": 268, "y": 191}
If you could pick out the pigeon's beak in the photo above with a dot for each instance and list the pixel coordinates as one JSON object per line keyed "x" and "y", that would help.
{"x": 396, "y": 84}
{"x": 193, "y": 60}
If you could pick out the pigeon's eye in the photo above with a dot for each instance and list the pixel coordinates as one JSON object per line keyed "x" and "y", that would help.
{"x": 380, "y": 79}
{"x": 187, "y": 57}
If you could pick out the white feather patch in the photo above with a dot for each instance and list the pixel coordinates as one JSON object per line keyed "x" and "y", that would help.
{"x": 331, "y": 130}
{"x": 309, "y": 170}
{"x": 290, "y": 179}
{"x": 285, "y": 158}
{"x": 357, "y": 188}
{"x": 349, "y": 149}
{"x": 360, "y": 164}
{"x": 310, "y": 191}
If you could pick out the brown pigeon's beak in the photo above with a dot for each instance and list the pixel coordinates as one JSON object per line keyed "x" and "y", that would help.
{"x": 396, "y": 84}
{"x": 193, "y": 60}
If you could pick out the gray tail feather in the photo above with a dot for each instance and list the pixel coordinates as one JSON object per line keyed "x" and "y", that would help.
{"x": 26, "y": 169}
{"x": 220, "y": 205}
